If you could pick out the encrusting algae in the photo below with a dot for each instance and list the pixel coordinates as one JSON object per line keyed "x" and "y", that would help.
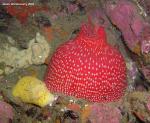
{"x": 31, "y": 90}
{"x": 13, "y": 58}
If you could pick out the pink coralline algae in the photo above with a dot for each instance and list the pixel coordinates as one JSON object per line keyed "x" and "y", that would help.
{"x": 6, "y": 112}
{"x": 104, "y": 114}
{"x": 125, "y": 16}
{"x": 145, "y": 37}
{"x": 146, "y": 71}
{"x": 145, "y": 46}
{"x": 88, "y": 67}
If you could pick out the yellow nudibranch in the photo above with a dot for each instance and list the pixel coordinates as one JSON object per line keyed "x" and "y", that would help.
{"x": 32, "y": 90}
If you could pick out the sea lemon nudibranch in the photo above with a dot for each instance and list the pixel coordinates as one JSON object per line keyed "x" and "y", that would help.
{"x": 32, "y": 90}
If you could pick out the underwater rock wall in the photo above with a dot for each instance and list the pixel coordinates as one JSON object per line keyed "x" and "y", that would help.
{"x": 29, "y": 34}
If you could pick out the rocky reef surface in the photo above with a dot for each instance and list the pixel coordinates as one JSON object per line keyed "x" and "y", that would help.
{"x": 30, "y": 33}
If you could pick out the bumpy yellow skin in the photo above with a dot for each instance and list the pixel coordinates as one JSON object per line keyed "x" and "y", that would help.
{"x": 31, "y": 90}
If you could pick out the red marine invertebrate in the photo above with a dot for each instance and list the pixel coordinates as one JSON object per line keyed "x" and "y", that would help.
{"x": 22, "y": 12}
{"x": 87, "y": 67}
